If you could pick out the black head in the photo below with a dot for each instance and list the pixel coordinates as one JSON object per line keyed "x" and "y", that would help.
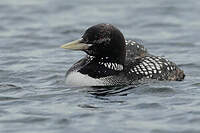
{"x": 104, "y": 40}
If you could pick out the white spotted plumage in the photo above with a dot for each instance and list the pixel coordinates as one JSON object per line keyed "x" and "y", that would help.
{"x": 151, "y": 66}
{"x": 113, "y": 66}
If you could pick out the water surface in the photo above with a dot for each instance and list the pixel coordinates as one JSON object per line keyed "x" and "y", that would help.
{"x": 34, "y": 97}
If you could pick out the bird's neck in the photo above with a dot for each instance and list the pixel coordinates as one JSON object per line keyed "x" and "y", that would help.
{"x": 108, "y": 59}
{"x": 111, "y": 64}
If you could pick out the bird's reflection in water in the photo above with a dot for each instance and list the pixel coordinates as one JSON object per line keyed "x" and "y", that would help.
{"x": 110, "y": 90}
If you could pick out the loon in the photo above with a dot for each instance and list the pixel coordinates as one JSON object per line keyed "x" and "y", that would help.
{"x": 111, "y": 60}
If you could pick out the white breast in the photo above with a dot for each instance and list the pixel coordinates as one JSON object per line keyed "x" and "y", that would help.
{"x": 77, "y": 79}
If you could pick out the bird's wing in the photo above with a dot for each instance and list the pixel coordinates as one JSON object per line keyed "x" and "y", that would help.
{"x": 134, "y": 50}
{"x": 154, "y": 67}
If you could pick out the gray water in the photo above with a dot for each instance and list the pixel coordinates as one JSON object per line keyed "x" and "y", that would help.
{"x": 34, "y": 97}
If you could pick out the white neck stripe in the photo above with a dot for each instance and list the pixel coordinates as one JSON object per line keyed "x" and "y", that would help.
{"x": 113, "y": 66}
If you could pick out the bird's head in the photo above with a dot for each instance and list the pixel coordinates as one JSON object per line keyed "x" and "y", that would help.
{"x": 101, "y": 40}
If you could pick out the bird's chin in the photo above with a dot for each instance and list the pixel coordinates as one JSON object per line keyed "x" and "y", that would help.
{"x": 89, "y": 52}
